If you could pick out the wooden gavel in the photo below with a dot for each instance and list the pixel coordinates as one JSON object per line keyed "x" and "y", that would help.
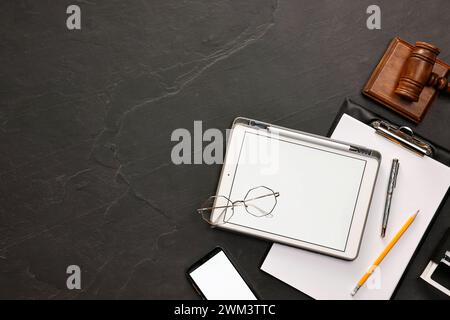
{"x": 418, "y": 72}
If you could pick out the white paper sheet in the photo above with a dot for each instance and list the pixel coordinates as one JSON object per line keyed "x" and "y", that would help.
{"x": 421, "y": 184}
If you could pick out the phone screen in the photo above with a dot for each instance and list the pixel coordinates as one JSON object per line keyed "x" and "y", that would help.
{"x": 218, "y": 279}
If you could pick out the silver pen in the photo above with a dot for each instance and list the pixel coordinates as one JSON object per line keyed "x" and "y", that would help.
{"x": 391, "y": 186}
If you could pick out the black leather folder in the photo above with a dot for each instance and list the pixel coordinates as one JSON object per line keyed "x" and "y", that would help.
{"x": 410, "y": 286}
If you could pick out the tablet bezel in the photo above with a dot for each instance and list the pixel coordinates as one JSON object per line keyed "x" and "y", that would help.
{"x": 241, "y": 125}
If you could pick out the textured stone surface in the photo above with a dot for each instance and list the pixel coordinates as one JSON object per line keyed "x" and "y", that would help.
{"x": 86, "y": 117}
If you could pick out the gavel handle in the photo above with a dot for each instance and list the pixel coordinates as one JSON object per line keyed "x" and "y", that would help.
{"x": 439, "y": 83}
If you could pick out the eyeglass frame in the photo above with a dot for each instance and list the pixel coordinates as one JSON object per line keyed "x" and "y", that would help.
{"x": 276, "y": 194}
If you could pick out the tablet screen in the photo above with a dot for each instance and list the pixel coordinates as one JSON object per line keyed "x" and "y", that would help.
{"x": 318, "y": 189}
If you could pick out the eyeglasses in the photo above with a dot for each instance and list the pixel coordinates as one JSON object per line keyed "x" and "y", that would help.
{"x": 258, "y": 202}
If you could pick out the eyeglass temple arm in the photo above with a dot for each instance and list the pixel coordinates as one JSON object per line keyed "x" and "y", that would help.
{"x": 276, "y": 194}
{"x": 234, "y": 204}
{"x": 257, "y": 208}
{"x": 210, "y": 208}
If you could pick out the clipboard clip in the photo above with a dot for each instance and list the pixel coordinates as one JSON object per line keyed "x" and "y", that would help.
{"x": 403, "y": 136}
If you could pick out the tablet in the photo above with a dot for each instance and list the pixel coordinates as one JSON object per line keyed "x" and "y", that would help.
{"x": 295, "y": 188}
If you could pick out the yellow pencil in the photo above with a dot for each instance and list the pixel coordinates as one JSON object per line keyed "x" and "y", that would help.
{"x": 384, "y": 253}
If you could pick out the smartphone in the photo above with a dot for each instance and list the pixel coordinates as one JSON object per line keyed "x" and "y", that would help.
{"x": 215, "y": 277}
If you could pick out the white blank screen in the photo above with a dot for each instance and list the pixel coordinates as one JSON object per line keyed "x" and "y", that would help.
{"x": 218, "y": 279}
{"x": 318, "y": 189}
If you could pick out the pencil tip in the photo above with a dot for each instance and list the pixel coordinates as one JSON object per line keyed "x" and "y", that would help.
{"x": 355, "y": 290}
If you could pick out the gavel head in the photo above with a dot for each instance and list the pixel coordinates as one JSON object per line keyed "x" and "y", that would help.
{"x": 417, "y": 71}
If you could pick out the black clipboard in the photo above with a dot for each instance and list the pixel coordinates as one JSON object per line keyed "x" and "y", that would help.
{"x": 410, "y": 286}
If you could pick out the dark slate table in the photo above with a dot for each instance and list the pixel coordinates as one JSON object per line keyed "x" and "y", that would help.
{"x": 86, "y": 117}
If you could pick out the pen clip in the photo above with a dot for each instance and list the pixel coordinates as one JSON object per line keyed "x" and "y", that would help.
{"x": 396, "y": 167}
{"x": 403, "y": 136}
